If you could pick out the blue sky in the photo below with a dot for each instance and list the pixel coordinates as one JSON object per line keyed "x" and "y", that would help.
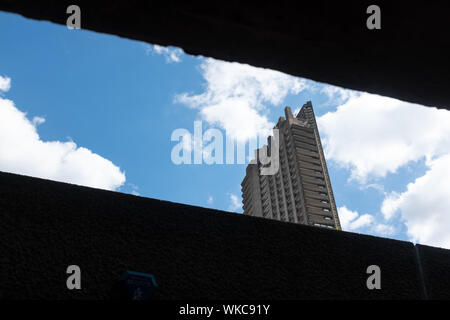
{"x": 99, "y": 110}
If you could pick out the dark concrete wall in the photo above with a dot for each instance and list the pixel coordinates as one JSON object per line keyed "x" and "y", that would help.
{"x": 193, "y": 252}
{"x": 436, "y": 269}
{"x": 325, "y": 41}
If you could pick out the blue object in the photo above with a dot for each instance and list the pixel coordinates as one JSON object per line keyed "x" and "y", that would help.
{"x": 137, "y": 285}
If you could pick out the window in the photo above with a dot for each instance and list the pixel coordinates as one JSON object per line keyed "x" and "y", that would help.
{"x": 323, "y": 225}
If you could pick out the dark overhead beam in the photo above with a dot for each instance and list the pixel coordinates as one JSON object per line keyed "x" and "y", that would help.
{"x": 324, "y": 41}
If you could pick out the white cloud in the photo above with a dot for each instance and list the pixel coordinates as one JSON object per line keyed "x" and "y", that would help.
{"x": 37, "y": 121}
{"x": 373, "y": 135}
{"x": 236, "y": 97}
{"x": 353, "y": 221}
{"x": 171, "y": 54}
{"x": 210, "y": 200}
{"x": 23, "y": 152}
{"x": 5, "y": 83}
{"x": 134, "y": 189}
{"x": 376, "y": 186}
{"x": 384, "y": 229}
{"x": 338, "y": 95}
{"x": 235, "y": 203}
{"x": 424, "y": 206}
{"x": 389, "y": 206}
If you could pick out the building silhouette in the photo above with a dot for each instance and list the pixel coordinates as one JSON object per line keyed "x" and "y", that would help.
{"x": 300, "y": 190}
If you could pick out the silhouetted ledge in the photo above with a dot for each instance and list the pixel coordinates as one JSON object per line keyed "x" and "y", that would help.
{"x": 326, "y": 41}
{"x": 193, "y": 252}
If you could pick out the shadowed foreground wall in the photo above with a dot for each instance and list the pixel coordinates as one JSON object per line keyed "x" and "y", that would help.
{"x": 193, "y": 252}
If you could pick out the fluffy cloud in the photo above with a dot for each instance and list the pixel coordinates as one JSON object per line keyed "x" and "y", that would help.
{"x": 37, "y": 121}
{"x": 235, "y": 203}
{"x": 338, "y": 95}
{"x": 374, "y": 135}
{"x": 134, "y": 189}
{"x": 171, "y": 54}
{"x": 23, "y": 152}
{"x": 5, "y": 83}
{"x": 236, "y": 97}
{"x": 353, "y": 221}
{"x": 424, "y": 206}
{"x": 385, "y": 230}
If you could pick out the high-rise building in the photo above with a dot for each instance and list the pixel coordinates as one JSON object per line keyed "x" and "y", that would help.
{"x": 300, "y": 190}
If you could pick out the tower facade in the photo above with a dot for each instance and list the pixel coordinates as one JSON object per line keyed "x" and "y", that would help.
{"x": 300, "y": 190}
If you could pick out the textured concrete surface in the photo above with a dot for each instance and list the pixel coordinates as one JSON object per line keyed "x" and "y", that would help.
{"x": 193, "y": 252}
{"x": 436, "y": 270}
{"x": 326, "y": 41}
